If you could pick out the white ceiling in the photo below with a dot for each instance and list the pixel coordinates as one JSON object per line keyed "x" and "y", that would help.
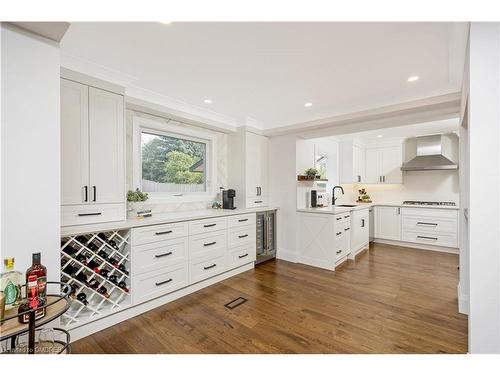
{"x": 408, "y": 131}
{"x": 267, "y": 71}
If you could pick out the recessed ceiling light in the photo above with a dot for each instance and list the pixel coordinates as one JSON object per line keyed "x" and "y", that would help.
{"x": 413, "y": 78}
{"x": 207, "y": 101}
{"x": 379, "y": 136}
{"x": 166, "y": 22}
{"x": 308, "y": 104}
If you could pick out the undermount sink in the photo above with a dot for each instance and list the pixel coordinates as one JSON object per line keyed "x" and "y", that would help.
{"x": 344, "y": 205}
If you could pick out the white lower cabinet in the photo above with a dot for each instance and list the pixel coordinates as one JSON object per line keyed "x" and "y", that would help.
{"x": 168, "y": 257}
{"x": 360, "y": 230}
{"x": 388, "y": 223}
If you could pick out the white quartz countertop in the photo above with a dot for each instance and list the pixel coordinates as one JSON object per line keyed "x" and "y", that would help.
{"x": 160, "y": 218}
{"x": 333, "y": 210}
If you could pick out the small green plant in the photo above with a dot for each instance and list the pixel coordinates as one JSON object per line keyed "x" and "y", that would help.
{"x": 311, "y": 172}
{"x": 136, "y": 196}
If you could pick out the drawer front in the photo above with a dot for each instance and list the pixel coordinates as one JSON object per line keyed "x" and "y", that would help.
{"x": 257, "y": 202}
{"x": 240, "y": 256}
{"x": 438, "y": 239}
{"x": 159, "y": 255}
{"x": 341, "y": 252}
{"x": 207, "y": 225}
{"x": 241, "y": 220}
{"x": 157, "y": 233}
{"x": 430, "y": 224}
{"x": 339, "y": 219}
{"x": 202, "y": 245}
{"x": 241, "y": 236}
{"x": 201, "y": 269}
{"x": 430, "y": 212}
{"x": 155, "y": 284}
{"x": 92, "y": 214}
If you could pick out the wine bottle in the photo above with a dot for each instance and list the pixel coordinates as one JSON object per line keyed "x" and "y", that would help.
{"x": 123, "y": 286}
{"x": 70, "y": 250}
{"x": 82, "y": 239}
{"x": 122, "y": 268}
{"x": 113, "y": 279}
{"x": 104, "y": 273}
{"x": 93, "y": 284}
{"x": 33, "y": 301}
{"x": 40, "y": 271}
{"x": 94, "y": 266}
{"x": 82, "y": 278}
{"x": 82, "y": 259}
{"x": 104, "y": 255}
{"x": 82, "y": 297}
{"x": 102, "y": 290}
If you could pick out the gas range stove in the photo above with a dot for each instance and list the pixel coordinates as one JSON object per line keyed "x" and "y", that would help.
{"x": 424, "y": 203}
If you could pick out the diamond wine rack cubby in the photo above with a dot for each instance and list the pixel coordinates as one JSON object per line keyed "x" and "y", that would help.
{"x": 97, "y": 266}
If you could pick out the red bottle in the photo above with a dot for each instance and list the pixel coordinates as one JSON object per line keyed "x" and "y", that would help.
{"x": 33, "y": 302}
{"x": 38, "y": 270}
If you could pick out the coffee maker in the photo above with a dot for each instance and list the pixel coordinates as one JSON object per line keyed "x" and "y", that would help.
{"x": 228, "y": 199}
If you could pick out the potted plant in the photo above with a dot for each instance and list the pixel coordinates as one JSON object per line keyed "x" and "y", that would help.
{"x": 135, "y": 200}
{"x": 311, "y": 173}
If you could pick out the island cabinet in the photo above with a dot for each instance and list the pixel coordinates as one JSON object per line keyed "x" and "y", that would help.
{"x": 324, "y": 239}
{"x": 360, "y": 231}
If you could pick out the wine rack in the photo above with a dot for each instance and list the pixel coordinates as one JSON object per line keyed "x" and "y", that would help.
{"x": 98, "y": 265}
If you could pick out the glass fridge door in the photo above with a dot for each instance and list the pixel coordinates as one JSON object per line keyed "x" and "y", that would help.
{"x": 261, "y": 234}
{"x": 271, "y": 233}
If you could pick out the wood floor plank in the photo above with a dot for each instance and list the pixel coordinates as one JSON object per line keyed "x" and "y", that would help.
{"x": 389, "y": 300}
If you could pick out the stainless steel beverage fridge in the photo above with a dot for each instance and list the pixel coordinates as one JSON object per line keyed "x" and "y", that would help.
{"x": 266, "y": 236}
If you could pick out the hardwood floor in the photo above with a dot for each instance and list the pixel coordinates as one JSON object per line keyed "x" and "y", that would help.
{"x": 390, "y": 300}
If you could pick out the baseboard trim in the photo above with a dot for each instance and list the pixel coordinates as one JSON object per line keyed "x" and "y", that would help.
{"x": 463, "y": 301}
{"x": 442, "y": 249}
{"x": 317, "y": 263}
{"x": 289, "y": 256}
{"x": 127, "y": 313}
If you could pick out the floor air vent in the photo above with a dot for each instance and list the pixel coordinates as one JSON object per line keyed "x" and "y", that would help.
{"x": 235, "y": 303}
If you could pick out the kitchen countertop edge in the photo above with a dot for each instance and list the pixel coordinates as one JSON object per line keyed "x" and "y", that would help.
{"x": 359, "y": 206}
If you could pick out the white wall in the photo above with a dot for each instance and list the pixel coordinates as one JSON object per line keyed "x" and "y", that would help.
{"x": 484, "y": 159}
{"x": 30, "y": 161}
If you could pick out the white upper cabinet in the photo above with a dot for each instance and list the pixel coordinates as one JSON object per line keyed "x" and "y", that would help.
{"x": 248, "y": 168}
{"x": 106, "y": 119}
{"x": 383, "y": 165}
{"x": 351, "y": 162}
{"x": 74, "y": 143}
{"x": 92, "y": 154}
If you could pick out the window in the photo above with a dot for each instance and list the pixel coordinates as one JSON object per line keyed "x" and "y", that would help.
{"x": 172, "y": 160}
{"x": 321, "y": 165}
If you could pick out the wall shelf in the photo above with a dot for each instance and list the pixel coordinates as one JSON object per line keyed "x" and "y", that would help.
{"x": 303, "y": 178}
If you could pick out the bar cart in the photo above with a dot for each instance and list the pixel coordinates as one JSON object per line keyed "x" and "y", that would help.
{"x": 57, "y": 305}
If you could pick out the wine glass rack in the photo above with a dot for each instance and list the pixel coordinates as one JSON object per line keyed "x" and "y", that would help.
{"x": 96, "y": 265}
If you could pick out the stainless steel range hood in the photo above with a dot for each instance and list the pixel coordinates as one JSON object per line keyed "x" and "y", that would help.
{"x": 433, "y": 152}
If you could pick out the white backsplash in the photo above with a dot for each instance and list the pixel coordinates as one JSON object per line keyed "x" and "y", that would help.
{"x": 157, "y": 207}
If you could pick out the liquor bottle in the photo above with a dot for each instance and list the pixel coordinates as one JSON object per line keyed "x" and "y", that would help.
{"x": 38, "y": 269}
{"x": 102, "y": 290}
{"x": 33, "y": 301}
{"x": 82, "y": 297}
{"x": 123, "y": 286}
{"x": 10, "y": 284}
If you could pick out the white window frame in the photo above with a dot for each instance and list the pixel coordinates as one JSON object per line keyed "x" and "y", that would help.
{"x": 174, "y": 129}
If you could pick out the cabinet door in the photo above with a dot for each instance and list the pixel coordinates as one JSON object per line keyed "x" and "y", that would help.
{"x": 358, "y": 164}
{"x": 252, "y": 164}
{"x": 107, "y": 159}
{"x": 373, "y": 165}
{"x": 263, "y": 167}
{"x": 391, "y": 159}
{"x": 388, "y": 223}
{"x": 74, "y": 143}
{"x": 360, "y": 224}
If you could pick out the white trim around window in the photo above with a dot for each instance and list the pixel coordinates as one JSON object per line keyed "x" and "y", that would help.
{"x": 174, "y": 129}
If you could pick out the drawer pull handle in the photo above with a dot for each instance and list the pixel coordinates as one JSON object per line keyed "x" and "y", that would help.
{"x": 339, "y": 218}
{"x": 242, "y": 220}
{"x": 243, "y": 236}
{"x": 347, "y": 228}
{"x": 91, "y": 214}
{"x": 209, "y": 225}
{"x": 428, "y": 238}
{"x": 210, "y": 243}
{"x": 339, "y": 233}
{"x": 208, "y": 267}
{"x": 242, "y": 256}
{"x": 423, "y": 223}
{"x": 163, "y": 255}
{"x": 257, "y": 201}
{"x": 163, "y": 282}
{"x": 165, "y": 232}
{"x": 345, "y": 217}
{"x": 339, "y": 251}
